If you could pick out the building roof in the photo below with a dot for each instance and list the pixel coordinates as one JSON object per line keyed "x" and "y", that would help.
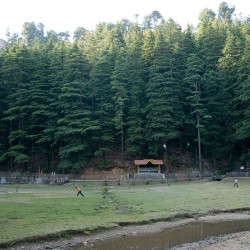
{"x": 146, "y": 161}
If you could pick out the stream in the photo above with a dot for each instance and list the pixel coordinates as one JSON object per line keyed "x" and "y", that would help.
{"x": 169, "y": 238}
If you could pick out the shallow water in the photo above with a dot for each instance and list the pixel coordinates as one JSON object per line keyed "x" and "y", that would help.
{"x": 171, "y": 237}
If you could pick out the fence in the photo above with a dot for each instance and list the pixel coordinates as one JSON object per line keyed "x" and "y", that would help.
{"x": 238, "y": 174}
{"x": 34, "y": 179}
{"x": 132, "y": 178}
{"x": 160, "y": 176}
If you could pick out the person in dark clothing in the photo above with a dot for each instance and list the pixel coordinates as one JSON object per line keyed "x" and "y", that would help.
{"x": 79, "y": 191}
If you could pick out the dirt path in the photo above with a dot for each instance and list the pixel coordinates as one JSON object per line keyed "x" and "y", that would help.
{"x": 231, "y": 241}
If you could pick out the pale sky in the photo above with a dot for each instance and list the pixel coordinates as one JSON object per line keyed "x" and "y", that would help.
{"x": 66, "y": 15}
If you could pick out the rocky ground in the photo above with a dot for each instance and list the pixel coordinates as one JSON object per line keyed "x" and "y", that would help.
{"x": 237, "y": 241}
{"x": 231, "y": 241}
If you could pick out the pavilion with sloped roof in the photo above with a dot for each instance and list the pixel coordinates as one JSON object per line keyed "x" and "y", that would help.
{"x": 148, "y": 166}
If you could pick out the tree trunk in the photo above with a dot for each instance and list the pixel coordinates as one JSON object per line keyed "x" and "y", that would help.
{"x": 199, "y": 143}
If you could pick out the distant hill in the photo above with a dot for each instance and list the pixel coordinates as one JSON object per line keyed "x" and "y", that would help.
{"x": 2, "y": 43}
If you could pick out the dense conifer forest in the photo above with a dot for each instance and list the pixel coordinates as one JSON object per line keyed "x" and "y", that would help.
{"x": 129, "y": 88}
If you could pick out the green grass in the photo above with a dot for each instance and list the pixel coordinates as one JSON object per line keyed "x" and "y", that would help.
{"x": 40, "y": 211}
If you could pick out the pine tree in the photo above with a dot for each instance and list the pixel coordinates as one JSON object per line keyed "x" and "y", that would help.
{"x": 241, "y": 104}
{"x": 3, "y": 106}
{"x": 211, "y": 40}
{"x": 161, "y": 125}
{"x": 17, "y": 113}
{"x": 188, "y": 131}
{"x": 193, "y": 78}
{"x": 228, "y": 66}
{"x": 120, "y": 97}
{"x": 102, "y": 104}
{"x": 136, "y": 92}
{"x": 39, "y": 92}
{"x": 57, "y": 58}
{"x": 75, "y": 126}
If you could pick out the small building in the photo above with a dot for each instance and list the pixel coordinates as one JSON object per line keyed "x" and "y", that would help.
{"x": 148, "y": 166}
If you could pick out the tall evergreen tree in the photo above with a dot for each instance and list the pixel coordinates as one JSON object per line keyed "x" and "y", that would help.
{"x": 3, "y": 106}
{"x": 57, "y": 55}
{"x": 17, "y": 113}
{"x": 228, "y": 65}
{"x": 241, "y": 105}
{"x": 136, "y": 93}
{"x": 120, "y": 92}
{"x": 75, "y": 126}
{"x": 161, "y": 126}
{"x": 102, "y": 104}
{"x": 188, "y": 131}
{"x": 107, "y": 40}
{"x": 37, "y": 92}
{"x": 193, "y": 78}
{"x": 211, "y": 39}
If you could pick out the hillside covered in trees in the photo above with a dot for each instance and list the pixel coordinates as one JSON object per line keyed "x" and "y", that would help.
{"x": 126, "y": 87}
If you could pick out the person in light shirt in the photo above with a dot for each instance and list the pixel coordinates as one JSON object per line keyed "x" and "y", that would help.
{"x": 236, "y": 183}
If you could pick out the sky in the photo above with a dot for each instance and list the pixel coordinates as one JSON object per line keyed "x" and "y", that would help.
{"x": 66, "y": 15}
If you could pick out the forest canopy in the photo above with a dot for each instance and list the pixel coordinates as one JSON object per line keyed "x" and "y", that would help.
{"x": 128, "y": 87}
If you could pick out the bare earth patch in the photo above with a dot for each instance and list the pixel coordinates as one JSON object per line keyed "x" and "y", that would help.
{"x": 237, "y": 241}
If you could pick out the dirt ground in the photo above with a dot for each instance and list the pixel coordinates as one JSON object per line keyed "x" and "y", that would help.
{"x": 231, "y": 241}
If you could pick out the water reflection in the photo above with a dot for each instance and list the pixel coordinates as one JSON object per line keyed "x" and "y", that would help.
{"x": 170, "y": 237}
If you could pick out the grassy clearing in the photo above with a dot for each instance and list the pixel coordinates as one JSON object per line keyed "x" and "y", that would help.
{"x": 36, "y": 211}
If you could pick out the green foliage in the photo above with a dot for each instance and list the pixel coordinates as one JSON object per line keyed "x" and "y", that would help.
{"x": 16, "y": 153}
{"x": 125, "y": 87}
{"x": 162, "y": 93}
{"x": 21, "y": 158}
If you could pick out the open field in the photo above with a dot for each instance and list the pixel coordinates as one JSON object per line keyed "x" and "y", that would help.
{"x": 48, "y": 211}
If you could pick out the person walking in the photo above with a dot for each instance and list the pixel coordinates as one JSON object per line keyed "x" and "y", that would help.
{"x": 236, "y": 183}
{"x": 79, "y": 191}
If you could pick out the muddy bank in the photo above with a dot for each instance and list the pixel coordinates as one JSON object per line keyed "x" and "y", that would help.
{"x": 231, "y": 241}
{"x": 227, "y": 242}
